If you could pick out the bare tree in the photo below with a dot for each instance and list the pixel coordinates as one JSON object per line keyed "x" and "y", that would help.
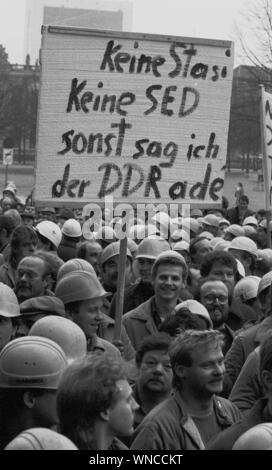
{"x": 254, "y": 31}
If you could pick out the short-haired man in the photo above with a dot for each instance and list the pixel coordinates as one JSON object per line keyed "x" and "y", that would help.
{"x": 142, "y": 290}
{"x": 32, "y": 278}
{"x": 191, "y": 417}
{"x": 237, "y": 214}
{"x": 154, "y": 382}
{"x": 95, "y": 403}
{"x": 222, "y": 266}
{"x": 261, "y": 410}
{"x": 169, "y": 274}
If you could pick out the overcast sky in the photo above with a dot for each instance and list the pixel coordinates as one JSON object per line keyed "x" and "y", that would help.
{"x": 197, "y": 18}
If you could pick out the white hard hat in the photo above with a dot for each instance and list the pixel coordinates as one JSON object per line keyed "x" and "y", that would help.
{"x": 244, "y": 244}
{"x": 151, "y": 248}
{"x": 250, "y": 221}
{"x": 263, "y": 224}
{"x": 246, "y": 288}
{"x": 214, "y": 241}
{"x": 40, "y": 439}
{"x": 66, "y": 333}
{"x": 240, "y": 268}
{"x": 235, "y": 230}
{"x": 190, "y": 224}
{"x": 249, "y": 230}
{"x": 265, "y": 281}
{"x": 181, "y": 246}
{"x": 258, "y": 437}
{"x": 179, "y": 234}
{"x": 207, "y": 235}
{"x": 221, "y": 245}
{"x": 49, "y": 230}
{"x": 31, "y": 362}
{"x": 9, "y": 306}
{"x": 224, "y": 221}
{"x": 266, "y": 254}
{"x": 211, "y": 220}
{"x": 71, "y": 228}
{"x": 196, "y": 308}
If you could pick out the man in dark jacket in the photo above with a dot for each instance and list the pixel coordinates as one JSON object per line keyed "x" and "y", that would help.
{"x": 236, "y": 215}
{"x": 194, "y": 414}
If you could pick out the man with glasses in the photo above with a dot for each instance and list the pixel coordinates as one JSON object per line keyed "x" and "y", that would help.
{"x": 214, "y": 296}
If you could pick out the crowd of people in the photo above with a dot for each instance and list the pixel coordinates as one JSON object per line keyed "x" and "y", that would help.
{"x": 192, "y": 366}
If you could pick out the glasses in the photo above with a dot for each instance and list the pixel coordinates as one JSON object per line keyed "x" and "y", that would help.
{"x": 153, "y": 364}
{"x": 211, "y": 298}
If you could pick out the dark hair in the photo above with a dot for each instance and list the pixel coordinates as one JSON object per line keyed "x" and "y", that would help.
{"x": 243, "y": 198}
{"x": 19, "y": 235}
{"x": 214, "y": 257}
{"x": 183, "y": 346}
{"x": 159, "y": 341}
{"x": 181, "y": 321}
{"x": 82, "y": 248}
{"x": 194, "y": 242}
{"x": 11, "y": 408}
{"x": 7, "y": 223}
{"x": 172, "y": 260}
{"x": 87, "y": 388}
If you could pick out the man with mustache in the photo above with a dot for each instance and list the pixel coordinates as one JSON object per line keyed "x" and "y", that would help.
{"x": 214, "y": 296}
{"x": 154, "y": 382}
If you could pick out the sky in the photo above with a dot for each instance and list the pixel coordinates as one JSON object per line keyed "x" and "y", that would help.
{"x": 213, "y": 19}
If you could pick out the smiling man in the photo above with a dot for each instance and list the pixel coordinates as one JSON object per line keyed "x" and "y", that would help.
{"x": 82, "y": 295}
{"x": 214, "y": 296}
{"x": 193, "y": 414}
{"x": 169, "y": 274}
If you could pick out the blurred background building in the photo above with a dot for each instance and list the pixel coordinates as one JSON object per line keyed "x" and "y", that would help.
{"x": 94, "y": 14}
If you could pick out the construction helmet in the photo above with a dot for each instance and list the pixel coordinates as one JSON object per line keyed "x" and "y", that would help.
{"x": 67, "y": 334}
{"x": 75, "y": 264}
{"x": 258, "y": 437}
{"x": 112, "y": 250}
{"x": 9, "y": 306}
{"x": 71, "y": 228}
{"x": 152, "y": 247}
{"x": 79, "y": 285}
{"x": 40, "y": 439}
{"x": 31, "y": 362}
{"x": 49, "y": 230}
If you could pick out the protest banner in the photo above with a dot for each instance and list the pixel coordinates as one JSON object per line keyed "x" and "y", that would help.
{"x": 142, "y": 118}
{"x": 266, "y": 143}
